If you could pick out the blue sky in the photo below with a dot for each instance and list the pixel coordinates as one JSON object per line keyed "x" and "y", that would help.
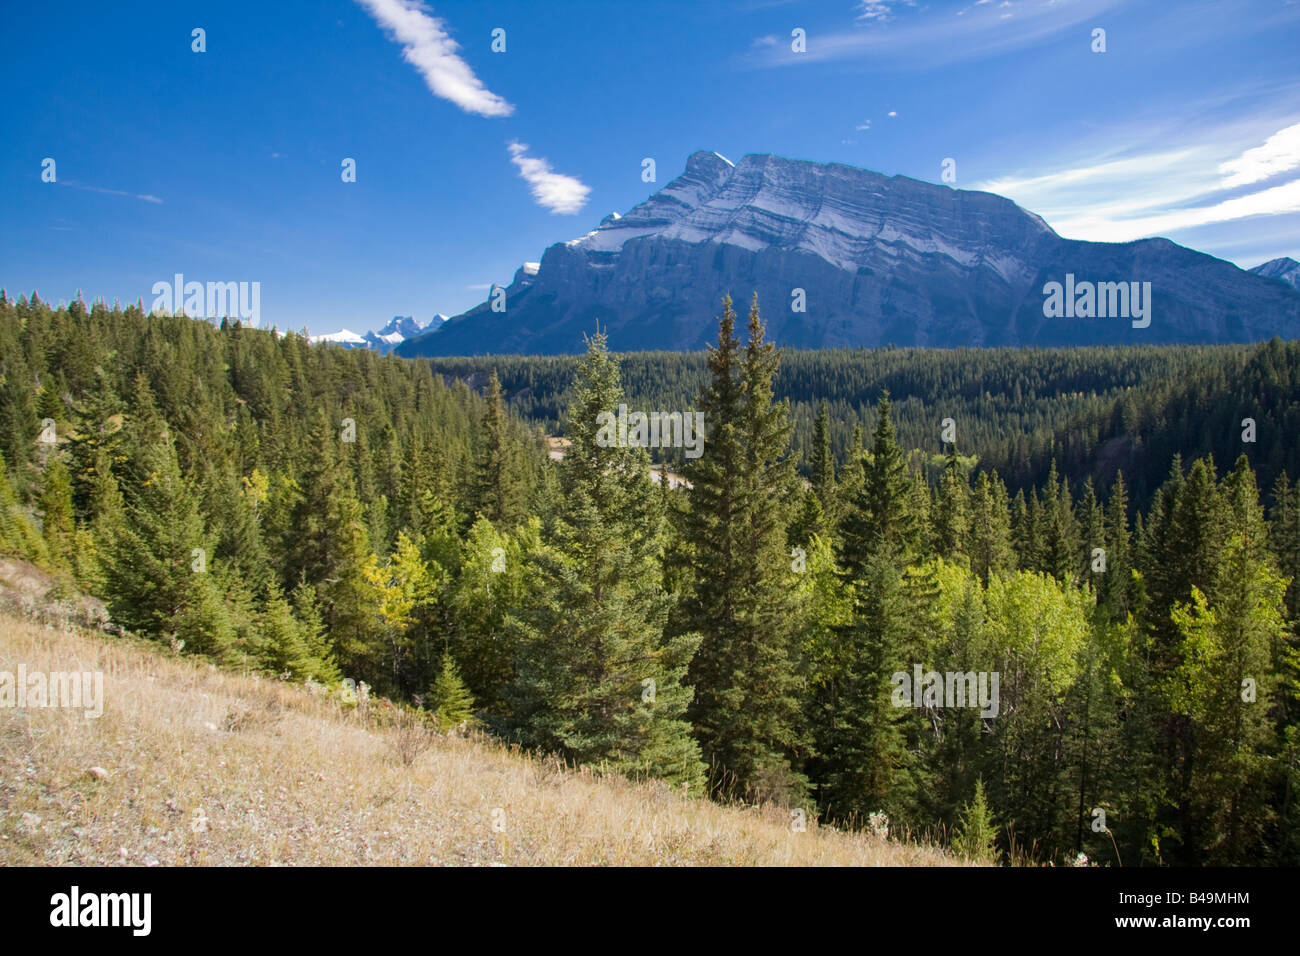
{"x": 225, "y": 165}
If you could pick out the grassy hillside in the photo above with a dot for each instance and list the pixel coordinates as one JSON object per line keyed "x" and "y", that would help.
{"x": 194, "y": 765}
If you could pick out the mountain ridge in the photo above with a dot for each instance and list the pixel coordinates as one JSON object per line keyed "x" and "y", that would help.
{"x": 880, "y": 259}
{"x": 399, "y": 329}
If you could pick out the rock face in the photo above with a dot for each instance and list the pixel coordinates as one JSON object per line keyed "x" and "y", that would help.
{"x": 880, "y": 259}
{"x": 1287, "y": 270}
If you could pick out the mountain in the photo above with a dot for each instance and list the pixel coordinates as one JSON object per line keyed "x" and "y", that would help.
{"x": 398, "y": 330}
{"x": 880, "y": 259}
{"x": 1288, "y": 270}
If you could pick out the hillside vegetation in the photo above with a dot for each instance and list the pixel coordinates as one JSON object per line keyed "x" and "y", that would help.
{"x": 334, "y": 518}
{"x": 190, "y": 764}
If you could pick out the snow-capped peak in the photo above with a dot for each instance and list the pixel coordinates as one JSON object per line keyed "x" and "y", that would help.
{"x": 341, "y": 337}
{"x": 394, "y": 333}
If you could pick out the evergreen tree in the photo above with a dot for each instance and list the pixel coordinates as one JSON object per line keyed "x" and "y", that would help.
{"x": 290, "y": 646}
{"x": 747, "y": 709}
{"x": 56, "y": 514}
{"x": 989, "y": 543}
{"x": 821, "y": 464}
{"x": 597, "y": 678}
{"x": 158, "y": 577}
{"x": 449, "y": 699}
{"x": 880, "y": 520}
{"x": 977, "y": 834}
{"x": 952, "y": 516}
{"x": 863, "y": 765}
{"x": 1115, "y": 595}
{"x": 497, "y": 492}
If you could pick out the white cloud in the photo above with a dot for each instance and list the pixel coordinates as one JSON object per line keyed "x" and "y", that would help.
{"x": 1280, "y": 152}
{"x": 427, "y": 46}
{"x": 146, "y": 197}
{"x": 878, "y": 11}
{"x": 1268, "y": 202}
{"x": 552, "y": 190}
{"x": 866, "y": 124}
{"x": 925, "y": 38}
{"x": 1162, "y": 192}
{"x": 893, "y": 113}
{"x": 1150, "y": 164}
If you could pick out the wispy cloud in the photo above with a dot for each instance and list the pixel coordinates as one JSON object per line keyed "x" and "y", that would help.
{"x": 552, "y": 190}
{"x": 887, "y": 34}
{"x": 428, "y": 47}
{"x": 878, "y": 11}
{"x": 1162, "y": 192}
{"x": 146, "y": 197}
{"x": 1280, "y": 152}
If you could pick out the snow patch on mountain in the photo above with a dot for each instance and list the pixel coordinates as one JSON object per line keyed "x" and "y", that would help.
{"x": 394, "y": 333}
{"x": 838, "y": 213}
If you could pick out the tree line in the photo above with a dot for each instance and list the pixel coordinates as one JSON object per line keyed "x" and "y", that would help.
{"x": 740, "y": 638}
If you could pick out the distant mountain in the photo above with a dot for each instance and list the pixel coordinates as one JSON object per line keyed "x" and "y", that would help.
{"x": 879, "y": 259}
{"x": 398, "y": 330}
{"x": 1288, "y": 270}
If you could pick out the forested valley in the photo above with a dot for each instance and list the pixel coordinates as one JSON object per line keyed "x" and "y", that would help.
{"x": 1099, "y": 528}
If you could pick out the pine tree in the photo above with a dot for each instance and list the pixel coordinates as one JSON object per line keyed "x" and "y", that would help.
{"x": 18, "y": 533}
{"x": 880, "y": 519}
{"x": 56, "y": 513}
{"x": 493, "y": 580}
{"x": 449, "y": 699}
{"x": 952, "y": 507}
{"x": 1092, "y": 533}
{"x": 977, "y": 834}
{"x": 597, "y": 679}
{"x": 1115, "y": 594}
{"x": 1058, "y": 531}
{"x": 852, "y": 476}
{"x": 1284, "y": 533}
{"x": 159, "y": 578}
{"x": 19, "y": 423}
{"x": 497, "y": 493}
{"x": 289, "y": 646}
{"x": 821, "y": 464}
{"x": 863, "y": 764}
{"x": 747, "y": 709}
{"x": 990, "y": 528}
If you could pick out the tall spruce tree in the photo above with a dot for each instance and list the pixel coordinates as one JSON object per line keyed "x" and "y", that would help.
{"x": 747, "y": 710}
{"x": 159, "y": 578}
{"x": 951, "y": 511}
{"x": 498, "y": 494}
{"x": 597, "y": 679}
{"x": 989, "y": 543}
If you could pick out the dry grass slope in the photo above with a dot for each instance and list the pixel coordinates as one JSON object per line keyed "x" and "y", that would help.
{"x": 193, "y": 766}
